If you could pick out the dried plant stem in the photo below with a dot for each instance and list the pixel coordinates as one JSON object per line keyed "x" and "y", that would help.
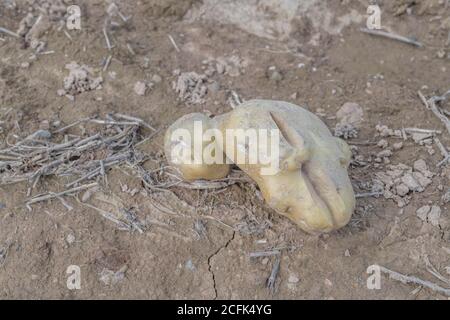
{"x": 59, "y": 194}
{"x": 411, "y": 279}
{"x": 392, "y": 36}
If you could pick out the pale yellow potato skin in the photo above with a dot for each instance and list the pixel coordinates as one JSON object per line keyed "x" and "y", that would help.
{"x": 312, "y": 187}
{"x": 193, "y": 171}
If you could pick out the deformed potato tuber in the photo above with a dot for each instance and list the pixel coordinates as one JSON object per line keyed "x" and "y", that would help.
{"x": 306, "y": 176}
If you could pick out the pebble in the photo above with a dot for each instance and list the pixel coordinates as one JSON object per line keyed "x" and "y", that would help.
{"x": 398, "y": 145}
{"x": 422, "y": 212}
{"x": 275, "y": 75}
{"x": 156, "y": 78}
{"x": 434, "y": 215}
{"x": 382, "y": 143}
{"x": 293, "y": 279}
{"x": 140, "y": 88}
{"x": 70, "y": 238}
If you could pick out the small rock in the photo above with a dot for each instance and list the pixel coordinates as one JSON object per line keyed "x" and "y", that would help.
{"x": 190, "y": 265}
{"x": 419, "y": 136}
{"x": 434, "y": 215}
{"x": 275, "y": 75}
{"x": 350, "y": 113}
{"x": 214, "y": 86}
{"x": 398, "y": 145}
{"x": 382, "y": 143}
{"x": 411, "y": 183}
{"x": 109, "y": 277}
{"x": 140, "y": 88}
{"x": 402, "y": 189}
{"x": 293, "y": 279}
{"x": 70, "y": 238}
{"x": 156, "y": 78}
{"x": 347, "y": 253}
{"x": 446, "y": 197}
{"x": 385, "y": 154}
{"x": 44, "y": 125}
{"x": 265, "y": 261}
{"x": 42, "y": 134}
{"x": 420, "y": 165}
{"x": 422, "y": 212}
{"x": 423, "y": 181}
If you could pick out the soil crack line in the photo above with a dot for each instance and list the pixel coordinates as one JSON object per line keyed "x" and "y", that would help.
{"x": 212, "y": 256}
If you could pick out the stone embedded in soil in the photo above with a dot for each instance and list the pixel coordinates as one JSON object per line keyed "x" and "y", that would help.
{"x": 79, "y": 80}
{"x": 349, "y": 117}
{"x": 350, "y": 113}
{"x": 402, "y": 189}
{"x": 274, "y": 75}
{"x": 421, "y": 166}
{"x": 140, "y": 88}
{"x": 411, "y": 183}
{"x": 429, "y": 214}
{"x": 382, "y": 143}
{"x": 400, "y": 180}
{"x": 434, "y": 215}
{"x": 422, "y": 212}
{"x": 345, "y": 131}
{"x": 397, "y": 145}
{"x": 446, "y": 197}
{"x": 191, "y": 87}
{"x": 293, "y": 279}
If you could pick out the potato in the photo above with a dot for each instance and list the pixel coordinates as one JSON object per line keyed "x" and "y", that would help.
{"x": 180, "y": 152}
{"x": 299, "y": 166}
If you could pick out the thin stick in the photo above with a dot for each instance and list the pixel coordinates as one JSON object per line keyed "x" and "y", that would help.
{"x": 369, "y": 194}
{"x": 411, "y": 279}
{"x": 258, "y": 254}
{"x": 273, "y": 275}
{"x": 431, "y": 105}
{"x": 56, "y": 195}
{"x": 409, "y": 130}
{"x": 130, "y": 118}
{"x": 108, "y": 43}
{"x": 9, "y": 32}
{"x": 392, "y": 36}
{"x": 443, "y": 151}
{"x": 173, "y": 43}
{"x": 107, "y": 63}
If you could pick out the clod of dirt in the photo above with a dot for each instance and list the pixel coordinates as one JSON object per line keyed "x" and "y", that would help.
{"x": 232, "y": 66}
{"x": 274, "y": 74}
{"x": 140, "y": 88}
{"x": 350, "y": 113}
{"x": 429, "y": 214}
{"x": 345, "y": 131}
{"x": 401, "y": 180}
{"x": 349, "y": 117}
{"x": 446, "y": 197}
{"x": 293, "y": 279}
{"x": 191, "y": 87}
{"x": 111, "y": 278}
{"x": 397, "y": 145}
{"x": 385, "y": 131}
{"x": 382, "y": 143}
{"x": 79, "y": 80}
